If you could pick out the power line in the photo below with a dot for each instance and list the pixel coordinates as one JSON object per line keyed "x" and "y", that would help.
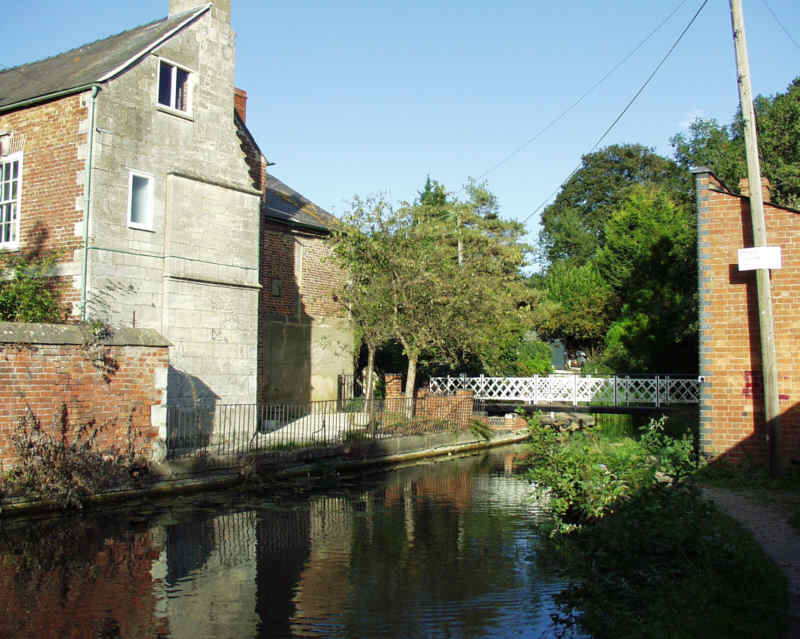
{"x": 780, "y": 24}
{"x": 625, "y": 110}
{"x": 561, "y": 115}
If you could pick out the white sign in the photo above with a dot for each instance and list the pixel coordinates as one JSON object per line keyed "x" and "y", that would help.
{"x": 751, "y": 259}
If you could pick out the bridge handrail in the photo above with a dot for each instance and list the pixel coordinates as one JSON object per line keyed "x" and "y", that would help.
{"x": 656, "y": 390}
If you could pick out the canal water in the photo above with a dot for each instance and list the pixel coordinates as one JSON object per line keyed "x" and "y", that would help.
{"x": 438, "y": 549}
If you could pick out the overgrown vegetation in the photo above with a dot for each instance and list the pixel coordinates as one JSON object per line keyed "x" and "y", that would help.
{"x": 64, "y": 463}
{"x": 25, "y": 295}
{"x": 642, "y": 553}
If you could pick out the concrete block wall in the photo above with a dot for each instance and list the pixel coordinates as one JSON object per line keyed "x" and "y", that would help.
{"x": 193, "y": 275}
{"x": 45, "y": 366}
{"x": 732, "y": 404}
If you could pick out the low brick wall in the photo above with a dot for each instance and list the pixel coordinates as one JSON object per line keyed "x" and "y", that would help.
{"x": 456, "y": 410}
{"x": 45, "y": 366}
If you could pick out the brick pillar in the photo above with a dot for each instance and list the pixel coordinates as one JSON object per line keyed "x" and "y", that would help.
{"x": 394, "y": 385}
{"x": 465, "y": 401}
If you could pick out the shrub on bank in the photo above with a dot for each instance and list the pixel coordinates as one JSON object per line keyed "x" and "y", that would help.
{"x": 64, "y": 463}
{"x": 642, "y": 553}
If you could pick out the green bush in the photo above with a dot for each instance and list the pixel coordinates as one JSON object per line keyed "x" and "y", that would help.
{"x": 586, "y": 474}
{"x": 25, "y": 296}
{"x": 667, "y": 564}
{"x": 643, "y": 555}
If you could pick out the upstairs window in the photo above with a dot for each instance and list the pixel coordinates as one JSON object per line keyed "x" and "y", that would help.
{"x": 173, "y": 86}
{"x": 140, "y": 201}
{"x": 10, "y": 194}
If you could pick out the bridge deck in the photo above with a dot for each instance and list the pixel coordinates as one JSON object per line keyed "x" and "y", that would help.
{"x": 628, "y": 392}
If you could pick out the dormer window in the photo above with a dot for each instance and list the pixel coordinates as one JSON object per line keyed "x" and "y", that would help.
{"x": 174, "y": 86}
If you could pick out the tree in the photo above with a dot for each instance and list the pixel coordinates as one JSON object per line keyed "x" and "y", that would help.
{"x": 576, "y": 305}
{"x": 358, "y": 248}
{"x": 707, "y": 143}
{"x": 649, "y": 261}
{"x": 440, "y": 290}
{"x": 778, "y": 119}
{"x": 573, "y": 225}
{"x": 721, "y": 148}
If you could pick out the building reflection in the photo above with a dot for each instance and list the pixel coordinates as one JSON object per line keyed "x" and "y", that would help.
{"x": 70, "y": 578}
{"x": 356, "y": 563}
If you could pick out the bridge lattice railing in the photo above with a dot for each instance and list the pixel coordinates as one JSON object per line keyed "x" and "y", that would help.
{"x": 656, "y": 390}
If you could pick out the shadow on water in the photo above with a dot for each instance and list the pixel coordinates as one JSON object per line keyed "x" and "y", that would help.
{"x": 434, "y": 550}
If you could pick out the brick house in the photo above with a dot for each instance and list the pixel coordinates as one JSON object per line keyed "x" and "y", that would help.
{"x": 732, "y": 402}
{"x": 130, "y": 156}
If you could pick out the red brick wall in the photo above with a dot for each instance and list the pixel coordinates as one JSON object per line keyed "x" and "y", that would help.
{"x": 50, "y": 179}
{"x": 732, "y": 409}
{"x": 299, "y": 262}
{"x": 100, "y": 383}
{"x": 456, "y": 409}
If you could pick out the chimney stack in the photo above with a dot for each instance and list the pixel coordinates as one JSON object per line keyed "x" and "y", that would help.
{"x": 240, "y": 103}
{"x": 766, "y": 189}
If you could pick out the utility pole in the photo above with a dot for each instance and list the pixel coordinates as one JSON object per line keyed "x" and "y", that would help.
{"x": 769, "y": 364}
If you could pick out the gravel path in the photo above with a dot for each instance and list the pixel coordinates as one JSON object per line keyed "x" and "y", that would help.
{"x": 765, "y": 514}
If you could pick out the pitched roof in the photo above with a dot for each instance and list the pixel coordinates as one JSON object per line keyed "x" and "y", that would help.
{"x": 284, "y": 204}
{"x": 95, "y": 62}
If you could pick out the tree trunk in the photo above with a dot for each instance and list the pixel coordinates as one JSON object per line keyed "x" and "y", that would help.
{"x": 411, "y": 382}
{"x": 370, "y": 390}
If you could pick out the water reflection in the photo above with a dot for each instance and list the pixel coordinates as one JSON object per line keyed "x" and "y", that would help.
{"x": 438, "y": 550}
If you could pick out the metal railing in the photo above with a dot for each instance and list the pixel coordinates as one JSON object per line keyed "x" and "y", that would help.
{"x": 347, "y": 387}
{"x": 229, "y": 430}
{"x": 611, "y": 391}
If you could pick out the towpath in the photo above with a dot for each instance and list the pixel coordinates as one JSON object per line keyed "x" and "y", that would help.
{"x": 765, "y": 514}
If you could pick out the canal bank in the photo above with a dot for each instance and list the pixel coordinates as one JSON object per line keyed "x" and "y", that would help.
{"x": 209, "y": 473}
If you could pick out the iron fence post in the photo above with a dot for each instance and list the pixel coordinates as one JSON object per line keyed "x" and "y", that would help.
{"x": 658, "y": 388}
{"x": 574, "y": 390}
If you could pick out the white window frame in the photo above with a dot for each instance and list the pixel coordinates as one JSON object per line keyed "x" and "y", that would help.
{"x": 7, "y": 160}
{"x": 142, "y": 226}
{"x": 174, "y": 67}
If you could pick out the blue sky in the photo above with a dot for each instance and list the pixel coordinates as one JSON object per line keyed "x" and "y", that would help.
{"x": 357, "y": 97}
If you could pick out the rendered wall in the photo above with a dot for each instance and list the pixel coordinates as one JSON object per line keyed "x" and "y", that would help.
{"x": 194, "y": 275}
{"x": 732, "y": 403}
